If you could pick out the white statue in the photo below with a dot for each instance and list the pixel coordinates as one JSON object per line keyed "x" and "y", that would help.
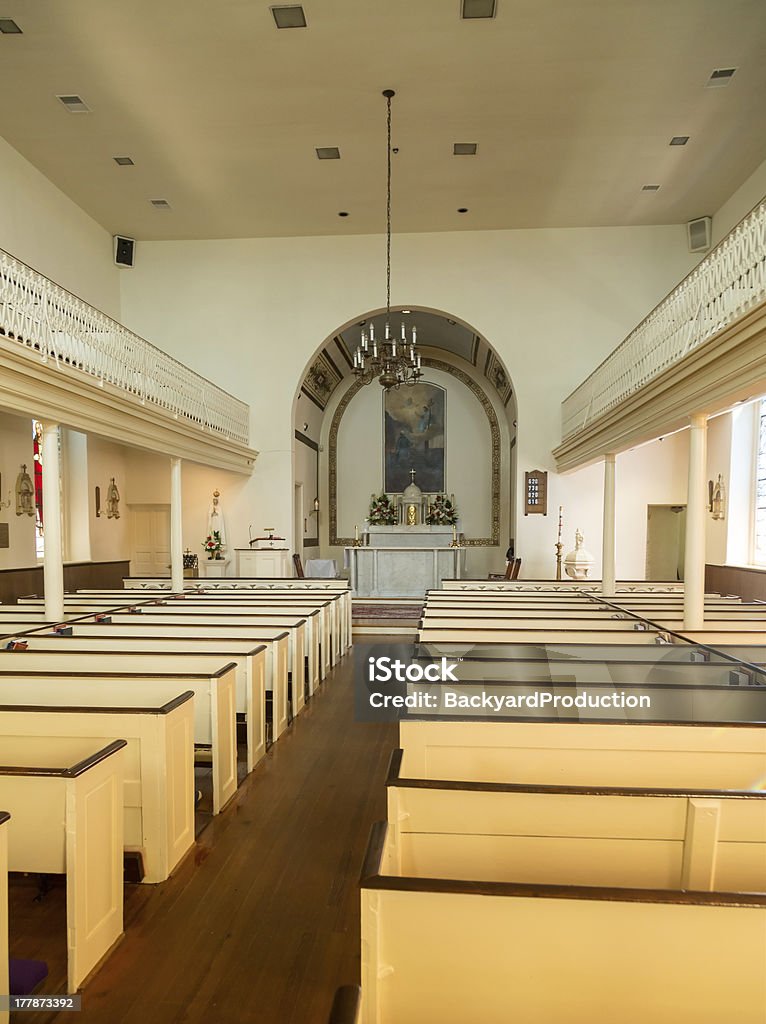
{"x": 215, "y": 522}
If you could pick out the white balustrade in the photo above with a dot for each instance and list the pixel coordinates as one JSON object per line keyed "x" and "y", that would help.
{"x": 66, "y": 331}
{"x": 725, "y": 285}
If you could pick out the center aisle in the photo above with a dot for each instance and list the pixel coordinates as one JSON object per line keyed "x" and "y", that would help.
{"x": 261, "y": 922}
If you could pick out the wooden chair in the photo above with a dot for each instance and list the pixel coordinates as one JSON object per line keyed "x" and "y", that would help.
{"x": 299, "y": 573}
{"x": 512, "y": 567}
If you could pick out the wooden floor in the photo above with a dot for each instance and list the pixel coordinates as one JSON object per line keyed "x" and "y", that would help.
{"x": 261, "y": 922}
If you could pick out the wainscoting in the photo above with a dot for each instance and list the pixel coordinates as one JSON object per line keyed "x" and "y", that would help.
{"x": 749, "y": 584}
{"x": 16, "y": 583}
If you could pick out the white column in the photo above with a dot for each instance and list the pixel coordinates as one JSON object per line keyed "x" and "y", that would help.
{"x": 608, "y": 581}
{"x": 694, "y": 557}
{"x": 176, "y": 542}
{"x": 53, "y": 559}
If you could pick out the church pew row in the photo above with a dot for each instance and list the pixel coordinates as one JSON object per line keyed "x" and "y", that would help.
{"x": 214, "y": 703}
{"x": 239, "y": 639}
{"x": 158, "y": 797}
{"x": 561, "y": 620}
{"x": 614, "y": 633}
{"x": 680, "y": 653}
{"x": 4, "y": 986}
{"x": 65, "y": 801}
{"x": 564, "y": 586}
{"x": 332, "y": 638}
{"x": 612, "y": 671}
{"x": 576, "y": 599}
{"x": 449, "y": 950}
{"x": 304, "y": 640}
{"x": 335, "y": 623}
{"x": 706, "y": 839}
{"x": 703, "y": 756}
{"x": 339, "y": 587}
{"x": 255, "y": 667}
{"x": 320, "y": 615}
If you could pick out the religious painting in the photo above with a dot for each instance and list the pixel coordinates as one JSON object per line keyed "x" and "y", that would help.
{"x": 414, "y": 437}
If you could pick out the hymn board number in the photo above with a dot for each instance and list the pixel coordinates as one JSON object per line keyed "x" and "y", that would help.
{"x": 536, "y": 492}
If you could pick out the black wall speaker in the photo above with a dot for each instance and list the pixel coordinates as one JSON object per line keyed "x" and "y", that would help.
{"x": 699, "y": 234}
{"x": 124, "y": 251}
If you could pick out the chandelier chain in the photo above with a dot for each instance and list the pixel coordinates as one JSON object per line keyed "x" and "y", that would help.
{"x": 388, "y": 210}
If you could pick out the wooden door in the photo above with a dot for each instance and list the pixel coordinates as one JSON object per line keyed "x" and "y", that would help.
{"x": 150, "y": 540}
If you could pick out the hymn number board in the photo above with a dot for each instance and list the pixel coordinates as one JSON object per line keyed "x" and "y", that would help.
{"x": 536, "y": 492}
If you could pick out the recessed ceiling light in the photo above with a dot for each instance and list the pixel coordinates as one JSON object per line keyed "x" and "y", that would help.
{"x": 451, "y": 322}
{"x": 9, "y": 27}
{"x": 328, "y": 153}
{"x": 291, "y": 16}
{"x": 343, "y": 213}
{"x": 463, "y": 209}
{"x": 679, "y": 140}
{"x": 123, "y": 161}
{"x": 160, "y": 204}
{"x": 650, "y": 188}
{"x": 405, "y": 310}
{"x": 74, "y": 104}
{"x": 464, "y": 149}
{"x": 477, "y": 8}
{"x": 720, "y": 77}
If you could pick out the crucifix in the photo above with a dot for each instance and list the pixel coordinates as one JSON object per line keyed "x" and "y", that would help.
{"x": 412, "y": 476}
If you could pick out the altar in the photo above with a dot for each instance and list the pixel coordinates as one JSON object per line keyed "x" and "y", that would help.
{"x": 402, "y": 569}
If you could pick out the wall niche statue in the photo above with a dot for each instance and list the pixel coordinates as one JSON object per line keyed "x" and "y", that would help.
{"x": 112, "y": 501}
{"x": 25, "y": 494}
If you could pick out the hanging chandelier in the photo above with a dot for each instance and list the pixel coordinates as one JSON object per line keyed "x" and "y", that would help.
{"x": 394, "y": 361}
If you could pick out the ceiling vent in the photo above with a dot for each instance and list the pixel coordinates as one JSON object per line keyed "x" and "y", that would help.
{"x": 699, "y": 234}
{"x": 160, "y": 204}
{"x": 328, "y": 153}
{"x": 720, "y": 77}
{"x": 123, "y": 161}
{"x": 650, "y": 188}
{"x": 291, "y": 16}
{"x": 478, "y": 8}
{"x": 74, "y": 104}
{"x": 464, "y": 149}
{"x": 8, "y": 27}
{"x": 679, "y": 140}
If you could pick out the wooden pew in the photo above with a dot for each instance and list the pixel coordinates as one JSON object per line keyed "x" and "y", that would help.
{"x": 4, "y": 986}
{"x": 240, "y": 639}
{"x": 564, "y": 586}
{"x": 158, "y": 797}
{"x": 214, "y": 704}
{"x": 469, "y": 635}
{"x": 339, "y": 587}
{"x": 332, "y": 625}
{"x": 607, "y": 671}
{"x": 706, "y": 839}
{"x": 707, "y": 756}
{"x": 49, "y": 652}
{"x": 65, "y": 801}
{"x": 436, "y": 949}
{"x": 305, "y": 636}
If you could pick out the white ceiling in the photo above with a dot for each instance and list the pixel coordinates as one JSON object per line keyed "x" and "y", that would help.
{"x": 572, "y": 104}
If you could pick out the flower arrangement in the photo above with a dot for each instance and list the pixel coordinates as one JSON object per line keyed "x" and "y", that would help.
{"x": 382, "y": 511}
{"x": 441, "y": 512}
{"x": 212, "y": 544}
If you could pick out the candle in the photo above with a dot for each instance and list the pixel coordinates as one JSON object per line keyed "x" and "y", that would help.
{"x": 372, "y": 332}
{"x": 454, "y": 532}
{"x": 356, "y": 533}
{"x": 404, "y": 336}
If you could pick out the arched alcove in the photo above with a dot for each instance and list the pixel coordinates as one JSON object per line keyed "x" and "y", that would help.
{"x": 339, "y": 430}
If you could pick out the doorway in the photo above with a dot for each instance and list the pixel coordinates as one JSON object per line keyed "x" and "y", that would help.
{"x": 665, "y": 542}
{"x": 149, "y": 540}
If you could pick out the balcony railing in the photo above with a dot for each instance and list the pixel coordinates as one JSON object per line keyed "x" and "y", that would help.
{"x": 65, "y": 331}
{"x": 729, "y": 281}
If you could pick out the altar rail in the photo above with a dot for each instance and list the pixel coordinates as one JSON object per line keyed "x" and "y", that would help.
{"x": 729, "y": 281}
{"x": 66, "y": 331}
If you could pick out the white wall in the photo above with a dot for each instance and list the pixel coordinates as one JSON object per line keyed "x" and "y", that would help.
{"x": 740, "y": 203}
{"x": 250, "y": 313}
{"x": 42, "y": 227}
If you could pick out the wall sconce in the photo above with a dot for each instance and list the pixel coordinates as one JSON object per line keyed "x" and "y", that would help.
{"x": 315, "y": 511}
{"x": 717, "y": 498}
{"x": 98, "y": 502}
